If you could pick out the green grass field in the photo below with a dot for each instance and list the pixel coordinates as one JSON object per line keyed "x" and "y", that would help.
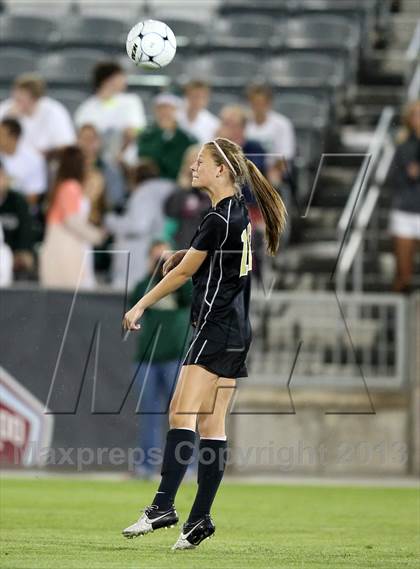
{"x": 67, "y": 523}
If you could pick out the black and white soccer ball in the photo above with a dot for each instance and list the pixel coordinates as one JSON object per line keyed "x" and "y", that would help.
{"x": 151, "y": 44}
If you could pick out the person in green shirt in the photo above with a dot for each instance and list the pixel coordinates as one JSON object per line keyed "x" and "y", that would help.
{"x": 164, "y": 333}
{"x": 164, "y": 141}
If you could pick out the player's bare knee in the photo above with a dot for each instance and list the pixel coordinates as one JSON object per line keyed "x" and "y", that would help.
{"x": 179, "y": 420}
{"x": 209, "y": 427}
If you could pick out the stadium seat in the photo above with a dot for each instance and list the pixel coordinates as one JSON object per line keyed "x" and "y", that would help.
{"x": 311, "y": 74}
{"x": 71, "y": 67}
{"x": 189, "y": 33}
{"x": 31, "y": 31}
{"x": 108, "y": 34}
{"x": 338, "y": 37}
{"x": 275, "y": 8}
{"x": 70, "y": 98}
{"x": 234, "y": 33}
{"x": 127, "y": 9}
{"x": 303, "y": 110}
{"x": 361, "y": 12}
{"x": 37, "y": 8}
{"x": 343, "y": 6}
{"x": 15, "y": 61}
{"x": 226, "y": 69}
{"x": 328, "y": 32}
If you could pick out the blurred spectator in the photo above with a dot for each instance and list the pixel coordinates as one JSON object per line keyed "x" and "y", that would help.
{"x": 117, "y": 115}
{"x": 6, "y": 262}
{"x": 105, "y": 187}
{"x": 272, "y": 130}
{"x": 234, "y": 119}
{"x": 24, "y": 165}
{"x": 276, "y": 134}
{"x": 46, "y": 123}
{"x": 405, "y": 215}
{"x": 94, "y": 181}
{"x": 15, "y": 221}
{"x": 157, "y": 365}
{"x": 165, "y": 142}
{"x": 185, "y": 207}
{"x": 111, "y": 177}
{"x": 233, "y": 126}
{"x": 193, "y": 116}
{"x": 142, "y": 222}
{"x": 66, "y": 258}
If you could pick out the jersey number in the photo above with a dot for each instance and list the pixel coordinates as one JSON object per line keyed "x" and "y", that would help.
{"x": 246, "y": 260}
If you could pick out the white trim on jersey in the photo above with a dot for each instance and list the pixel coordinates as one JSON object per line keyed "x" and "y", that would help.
{"x": 213, "y": 213}
{"x": 199, "y": 353}
{"x": 209, "y": 278}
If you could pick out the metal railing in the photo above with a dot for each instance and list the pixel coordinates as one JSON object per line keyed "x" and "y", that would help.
{"x": 362, "y": 203}
{"x": 324, "y": 339}
{"x": 366, "y": 171}
{"x": 414, "y": 87}
{"x": 352, "y": 256}
{"x": 412, "y": 57}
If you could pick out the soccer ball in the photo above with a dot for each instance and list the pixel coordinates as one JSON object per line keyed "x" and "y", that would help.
{"x": 151, "y": 44}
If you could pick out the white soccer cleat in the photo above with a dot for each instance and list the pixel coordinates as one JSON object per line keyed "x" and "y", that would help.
{"x": 193, "y": 534}
{"x": 151, "y": 520}
{"x": 183, "y": 543}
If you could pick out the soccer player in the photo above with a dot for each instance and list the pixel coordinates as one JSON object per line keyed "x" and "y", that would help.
{"x": 219, "y": 261}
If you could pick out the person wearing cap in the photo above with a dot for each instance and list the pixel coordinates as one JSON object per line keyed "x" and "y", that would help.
{"x": 164, "y": 141}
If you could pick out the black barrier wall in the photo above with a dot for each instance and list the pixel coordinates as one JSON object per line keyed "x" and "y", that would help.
{"x": 69, "y": 353}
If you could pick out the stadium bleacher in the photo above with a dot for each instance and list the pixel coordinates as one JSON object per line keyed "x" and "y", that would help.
{"x": 15, "y": 61}
{"x": 104, "y": 33}
{"x": 313, "y": 53}
{"x": 298, "y": 56}
{"x": 33, "y": 32}
{"x": 70, "y": 67}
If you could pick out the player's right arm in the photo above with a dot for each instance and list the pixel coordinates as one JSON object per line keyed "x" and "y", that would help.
{"x": 175, "y": 278}
{"x": 173, "y": 261}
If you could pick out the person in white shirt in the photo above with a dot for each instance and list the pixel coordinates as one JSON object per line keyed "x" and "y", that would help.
{"x": 272, "y": 130}
{"x": 25, "y": 167}
{"x": 276, "y": 134}
{"x": 47, "y": 125}
{"x": 194, "y": 117}
{"x": 142, "y": 223}
{"x": 118, "y": 116}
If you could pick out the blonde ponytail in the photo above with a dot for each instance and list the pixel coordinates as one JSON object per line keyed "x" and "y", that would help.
{"x": 242, "y": 170}
{"x": 271, "y": 206}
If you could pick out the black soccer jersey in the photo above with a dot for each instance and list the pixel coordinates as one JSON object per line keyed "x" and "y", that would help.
{"x": 222, "y": 285}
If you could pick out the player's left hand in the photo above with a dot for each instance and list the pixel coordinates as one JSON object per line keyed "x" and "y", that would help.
{"x": 131, "y": 317}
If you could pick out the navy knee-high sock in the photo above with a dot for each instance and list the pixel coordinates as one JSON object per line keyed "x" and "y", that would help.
{"x": 211, "y": 467}
{"x": 176, "y": 458}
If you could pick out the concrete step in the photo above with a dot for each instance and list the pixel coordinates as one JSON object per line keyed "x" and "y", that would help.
{"x": 411, "y": 7}
{"x": 403, "y": 26}
{"x": 386, "y": 95}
